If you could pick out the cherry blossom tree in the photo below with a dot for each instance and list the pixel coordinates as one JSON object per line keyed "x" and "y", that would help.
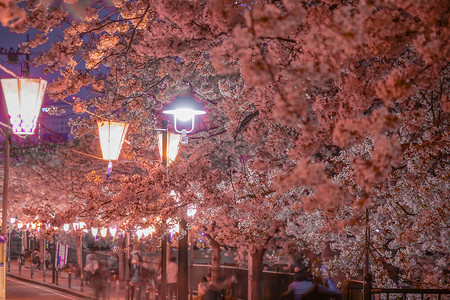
{"x": 318, "y": 111}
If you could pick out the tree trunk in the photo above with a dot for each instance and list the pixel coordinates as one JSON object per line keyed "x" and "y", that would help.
{"x": 215, "y": 262}
{"x": 257, "y": 263}
{"x": 122, "y": 260}
{"x": 79, "y": 245}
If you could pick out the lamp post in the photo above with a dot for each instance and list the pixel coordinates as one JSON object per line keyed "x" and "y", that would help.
{"x": 12, "y": 221}
{"x": 23, "y": 97}
{"x": 183, "y": 108}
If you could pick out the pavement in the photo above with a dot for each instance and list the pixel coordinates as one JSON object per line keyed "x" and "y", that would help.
{"x": 116, "y": 289}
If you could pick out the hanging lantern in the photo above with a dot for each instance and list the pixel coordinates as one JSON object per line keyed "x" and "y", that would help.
{"x": 173, "y": 144}
{"x": 76, "y": 226}
{"x": 23, "y": 98}
{"x": 82, "y": 225}
{"x": 66, "y": 227}
{"x": 33, "y": 225}
{"x": 94, "y": 231}
{"x": 112, "y": 135}
{"x": 103, "y": 232}
{"x": 12, "y": 220}
{"x": 113, "y": 231}
{"x": 19, "y": 225}
{"x": 139, "y": 233}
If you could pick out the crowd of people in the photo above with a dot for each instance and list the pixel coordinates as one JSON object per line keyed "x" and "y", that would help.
{"x": 145, "y": 273}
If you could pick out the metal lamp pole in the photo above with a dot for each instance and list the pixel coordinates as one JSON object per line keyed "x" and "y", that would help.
{"x": 4, "y": 216}
{"x": 164, "y": 241}
{"x": 184, "y": 108}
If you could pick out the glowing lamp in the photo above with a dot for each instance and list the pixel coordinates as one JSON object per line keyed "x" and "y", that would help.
{"x": 103, "y": 232}
{"x": 23, "y": 98}
{"x": 112, "y": 135}
{"x": 94, "y": 231}
{"x": 173, "y": 144}
{"x": 12, "y": 220}
{"x": 66, "y": 227}
{"x": 76, "y": 226}
{"x": 113, "y": 231}
{"x": 184, "y": 108}
{"x": 19, "y": 225}
{"x": 139, "y": 233}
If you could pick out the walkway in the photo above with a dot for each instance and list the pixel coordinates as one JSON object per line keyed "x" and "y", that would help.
{"x": 116, "y": 290}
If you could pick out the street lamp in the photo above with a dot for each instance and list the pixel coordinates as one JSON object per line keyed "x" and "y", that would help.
{"x": 23, "y": 97}
{"x": 184, "y": 108}
{"x": 11, "y": 221}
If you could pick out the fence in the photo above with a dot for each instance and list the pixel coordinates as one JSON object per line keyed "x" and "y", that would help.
{"x": 274, "y": 282}
{"x": 358, "y": 290}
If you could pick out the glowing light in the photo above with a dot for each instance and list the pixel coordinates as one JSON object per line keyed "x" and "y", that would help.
{"x": 66, "y": 227}
{"x": 33, "y": 225}
{"x": 94, "y": 231}
{"x": 76, "y": 226}
{"x": 103, "y": 232}
{"x": 139, "y": 233}
{"x": 149, "y": 230}
{"x": 173, "y": 145}
{"x": 112, "y": 135}
{"x": 19, "y": 225}
{"x": 12, "y": 220}
{"x": 113, "y": 231}
{"x": 23, "y": 98}
{"x": 184, "y": 108}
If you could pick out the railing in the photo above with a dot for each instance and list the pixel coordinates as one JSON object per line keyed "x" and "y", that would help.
{"x": 369, "y": 291}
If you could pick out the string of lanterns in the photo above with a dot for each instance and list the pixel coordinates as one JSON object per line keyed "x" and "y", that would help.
{"x": 81, "y": 226}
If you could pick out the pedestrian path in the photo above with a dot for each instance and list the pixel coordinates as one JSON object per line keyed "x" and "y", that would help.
{"x": 65, "y": 282}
